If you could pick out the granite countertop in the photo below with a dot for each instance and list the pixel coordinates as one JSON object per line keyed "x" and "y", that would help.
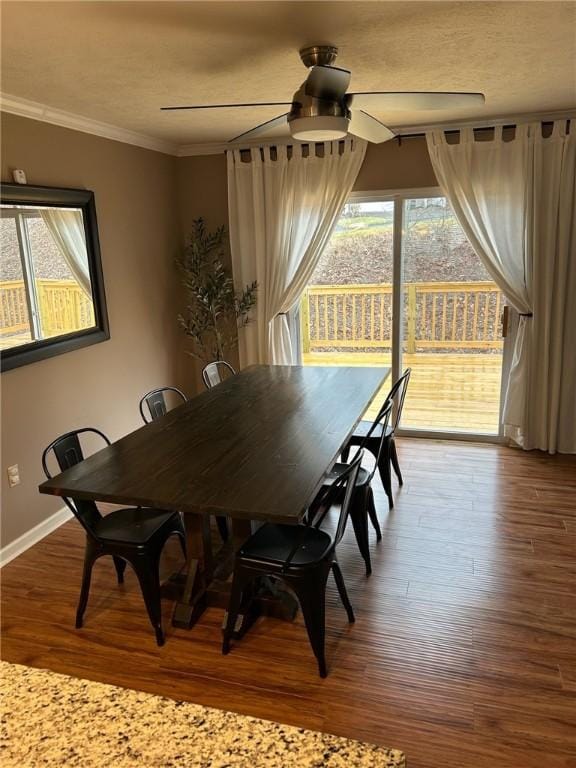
{"x": 56, "y": 721}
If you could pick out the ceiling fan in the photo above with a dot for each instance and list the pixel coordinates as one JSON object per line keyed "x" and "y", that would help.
{"x": 323, "y": 110}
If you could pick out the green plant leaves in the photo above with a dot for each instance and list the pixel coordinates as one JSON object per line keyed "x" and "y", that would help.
{"x": 214, "y": 308}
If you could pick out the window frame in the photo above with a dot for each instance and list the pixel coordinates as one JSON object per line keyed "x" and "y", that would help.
{"x": 56, "y": 197}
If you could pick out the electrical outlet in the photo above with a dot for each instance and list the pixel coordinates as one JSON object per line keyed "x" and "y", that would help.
{"x": 13, "y": 475}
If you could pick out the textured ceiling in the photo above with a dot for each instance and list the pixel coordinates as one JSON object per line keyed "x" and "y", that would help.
{"x": 119, "y": 62}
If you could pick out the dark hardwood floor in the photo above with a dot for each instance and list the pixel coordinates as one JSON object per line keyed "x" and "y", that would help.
{"x": 463, "y": 654}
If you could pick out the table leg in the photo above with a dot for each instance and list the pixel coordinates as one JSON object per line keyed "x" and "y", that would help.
{"x": 265, "y": 595}
{"x": 199, "y": 569}
{"x": 249, "y": 611}
{"x": 207, "y": 579}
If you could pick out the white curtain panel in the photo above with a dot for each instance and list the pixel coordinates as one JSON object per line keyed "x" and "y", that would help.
{"x": 67, "y": 230}
{"x": 282, "y": 211}
{"x": 515, "y": 201}
{"x": 551, "y": 414}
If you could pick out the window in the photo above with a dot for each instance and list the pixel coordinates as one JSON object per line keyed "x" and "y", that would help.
{"x": 51, "y": 295}
{"x": 40, "y": 296}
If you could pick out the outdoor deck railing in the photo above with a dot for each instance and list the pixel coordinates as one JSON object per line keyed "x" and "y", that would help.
{"x": 450, "y": 315}
{"x": 63, "y": 305}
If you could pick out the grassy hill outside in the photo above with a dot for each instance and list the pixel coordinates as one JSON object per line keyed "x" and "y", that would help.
{"x": 435, "y": 248}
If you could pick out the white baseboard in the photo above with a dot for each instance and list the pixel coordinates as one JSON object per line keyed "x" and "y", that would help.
{"x": 33, "y": 536}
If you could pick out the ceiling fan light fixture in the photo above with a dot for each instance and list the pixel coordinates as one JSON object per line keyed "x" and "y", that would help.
{"x": 319, "y": 128}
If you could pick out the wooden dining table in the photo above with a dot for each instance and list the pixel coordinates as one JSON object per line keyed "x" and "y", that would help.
{"x": 257, "y": 447}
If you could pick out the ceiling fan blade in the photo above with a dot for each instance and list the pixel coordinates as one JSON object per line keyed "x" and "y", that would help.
{"x": 262, "y": 128}
{"x": 229, "y": 106}
{"x": 367, "y": 127}
{"x": 417, "y": 100}
{"x": 329, "y": 83}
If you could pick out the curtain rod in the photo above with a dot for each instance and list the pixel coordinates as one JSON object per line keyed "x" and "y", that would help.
{"x": 422, "y": 135}
{"x": 454, "y": 131}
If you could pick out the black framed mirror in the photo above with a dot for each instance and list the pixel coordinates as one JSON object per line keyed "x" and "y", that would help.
{"x": 52, "y": 296}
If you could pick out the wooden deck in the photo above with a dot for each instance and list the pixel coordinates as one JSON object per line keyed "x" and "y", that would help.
{"x": 448, "y": 392}
{"x": 7, "y": 341}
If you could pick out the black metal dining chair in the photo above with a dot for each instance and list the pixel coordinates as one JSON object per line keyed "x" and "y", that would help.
{"x": 302, "y": 556}
{"x": 133, "y": 535}
{"x": 214, "y": 373}
{"x": 362, "y": 506}
{"x": 155, "y": 401}
{"x": 388, "y": 455}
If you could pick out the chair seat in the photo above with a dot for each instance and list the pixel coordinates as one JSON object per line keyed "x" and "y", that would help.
{"x": 275, "y": 544}
{"x": 132, "y": 525}
{"x": 362, "y": 478}
{"x": 364, "y": 427}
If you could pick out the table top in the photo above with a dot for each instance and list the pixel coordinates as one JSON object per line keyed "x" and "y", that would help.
{"x": 257, "y": 446}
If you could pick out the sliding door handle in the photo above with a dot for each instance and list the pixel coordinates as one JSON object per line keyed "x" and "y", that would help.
{"x": 504, "y": 320}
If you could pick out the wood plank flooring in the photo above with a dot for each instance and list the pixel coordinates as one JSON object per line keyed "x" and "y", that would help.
{"x": 463, "y": 654}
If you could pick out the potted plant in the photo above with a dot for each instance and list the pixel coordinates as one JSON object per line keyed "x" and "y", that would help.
{"x": 215, "y": 310}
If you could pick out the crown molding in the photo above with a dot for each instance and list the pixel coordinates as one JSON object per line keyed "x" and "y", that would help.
{"x": 36, "y": 111}
{"x": 195, "y": 150}
{"x": 218, "y": 147}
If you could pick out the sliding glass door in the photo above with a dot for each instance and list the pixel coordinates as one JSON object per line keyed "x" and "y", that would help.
{"x": 450, "y": 324}
{"x": 400, "y": 285}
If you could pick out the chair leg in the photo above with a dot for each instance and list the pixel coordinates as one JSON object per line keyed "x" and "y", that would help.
{"x": 395, "y": 463}
{"x": 359, "y": 517}
{"x": 120, "y": 566}
{"x": 345, "y": 453}
{"x": 372, "y": 514}
{"x": 222, "y": 523}
{"x": 311, "y": 593}
{"x": 242, "y": 577}
{"x": 90, "y": 558}
{"x": 384, "y": 469}
{"x": 339, "y": 579}
{"x": 373, "y": 445}
{"x": 147, "y": 570}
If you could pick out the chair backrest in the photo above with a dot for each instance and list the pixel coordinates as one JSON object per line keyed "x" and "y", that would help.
{"x": 156, "y": 403}
{"x": 68, "y": 452}
{"x": 382, "y": 420}
{"x": 340, "y": 490}
{"x": 398, "y": 393}
{"x": 214, "y": 373}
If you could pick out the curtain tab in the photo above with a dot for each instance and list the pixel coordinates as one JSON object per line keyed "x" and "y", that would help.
{"x": 559, "y": 129}
{"x": 436, "y": 138}
{"x": 525, "y": 130}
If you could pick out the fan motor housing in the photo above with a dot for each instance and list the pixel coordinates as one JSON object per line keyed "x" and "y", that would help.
{"x": 318, "y": 55}
{"x": 304, "y": 105}
{"x": 312, "y": 119}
